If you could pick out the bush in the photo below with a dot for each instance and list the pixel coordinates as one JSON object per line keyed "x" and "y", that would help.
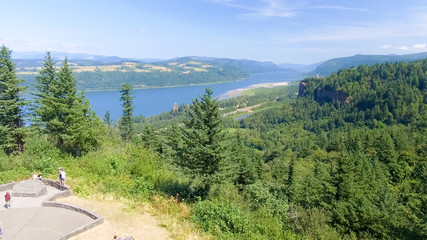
{"x": 217, "y": 218}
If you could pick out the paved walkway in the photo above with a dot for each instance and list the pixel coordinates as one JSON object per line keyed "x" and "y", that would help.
{"x": 27, "y": 219}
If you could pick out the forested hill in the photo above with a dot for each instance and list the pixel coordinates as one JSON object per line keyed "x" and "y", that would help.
{"x": 391, "y": 93}
{"x": 334, "y": 65}
{"x": 247, "y": 66}
{"x": 101, "y": 75}
{"x": 350, "y": 154}
{"x": 346, "y": 159}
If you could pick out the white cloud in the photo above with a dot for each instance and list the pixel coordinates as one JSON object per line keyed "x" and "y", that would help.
{"x": 419, "y": 46}
{"x": 402, "y": 48}
{"x": 260, "y": 9}
{"x": 340, "y": 8}
{"x": 275, "y": 8}
{"x": 386, "y": 46}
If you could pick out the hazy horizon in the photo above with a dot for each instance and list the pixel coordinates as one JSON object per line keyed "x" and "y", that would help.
{"x": 298, "y": 32}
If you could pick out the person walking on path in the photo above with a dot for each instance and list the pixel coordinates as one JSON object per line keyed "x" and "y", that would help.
{"x": 7, "y": 199}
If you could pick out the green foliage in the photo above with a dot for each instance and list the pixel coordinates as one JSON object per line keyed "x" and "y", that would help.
{"x": 126, "y": 121}
{"x": 346, "y": 160}
{"x": 203, "y": 142}
{"x": 63, "y": 114}
{"x": 221, "y": 218}
{"x": 12, "y": 103}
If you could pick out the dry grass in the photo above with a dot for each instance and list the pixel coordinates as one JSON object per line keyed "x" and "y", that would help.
{"x": 174, "y": 215}
{"x": 121, "y": 217}
{"x": 162, "y": 219}
{"x": 160, "y": 68}
{"x": 125, "y": 67}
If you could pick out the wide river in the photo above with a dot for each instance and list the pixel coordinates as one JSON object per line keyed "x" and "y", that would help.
{"x": 150, "y": 102}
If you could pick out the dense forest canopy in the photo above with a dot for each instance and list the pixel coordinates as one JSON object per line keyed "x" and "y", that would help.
{"x": 346, "y": 159}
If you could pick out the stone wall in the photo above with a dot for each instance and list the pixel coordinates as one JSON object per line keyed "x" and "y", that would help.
{"x": 50, "y": 202}
{"x": 7, "y": 186}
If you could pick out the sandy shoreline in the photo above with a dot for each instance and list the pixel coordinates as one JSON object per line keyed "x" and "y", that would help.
{"x": 239, "y": 91}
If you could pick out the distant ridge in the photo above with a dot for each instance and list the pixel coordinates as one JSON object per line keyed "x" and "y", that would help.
{"x": 334, "y": 65}
{"x": 34, "y": 59}
{"x": 247, "y": 66}
{"x": 78, "y": 56}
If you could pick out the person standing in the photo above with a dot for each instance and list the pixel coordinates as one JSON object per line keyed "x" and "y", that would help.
{"x": 7, "y": 199}
{"x": 62, "y": 177}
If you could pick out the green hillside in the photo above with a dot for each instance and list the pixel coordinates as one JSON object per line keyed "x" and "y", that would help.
{"x": 340, "y": 157}
{"x": 334, "y": 65}
{"x": 346, "y": 160}
{"x": 97, "y": 75}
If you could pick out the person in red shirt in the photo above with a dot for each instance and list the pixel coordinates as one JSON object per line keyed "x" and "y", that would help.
{"x": 7, "y": 198}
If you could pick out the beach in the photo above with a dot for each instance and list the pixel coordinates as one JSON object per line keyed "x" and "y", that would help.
{"x": 239, "y": 91}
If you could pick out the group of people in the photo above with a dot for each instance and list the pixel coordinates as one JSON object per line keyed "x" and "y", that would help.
{"x": 8, "y": 197}
{"x": 61, "y": 175}
{"x": 37, "y": 176}
{"x": 119, "y": 238}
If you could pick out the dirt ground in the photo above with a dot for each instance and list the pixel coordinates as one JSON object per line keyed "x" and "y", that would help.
{"x": 119, "y": 219}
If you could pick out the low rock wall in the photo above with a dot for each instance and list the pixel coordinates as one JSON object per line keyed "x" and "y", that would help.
{"x": 7, "y": 186}
{"x": 97, "y": 219}
{"x": 50, "y": 202}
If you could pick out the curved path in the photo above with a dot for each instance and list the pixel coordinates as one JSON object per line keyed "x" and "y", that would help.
{"x": 28, "y": 219}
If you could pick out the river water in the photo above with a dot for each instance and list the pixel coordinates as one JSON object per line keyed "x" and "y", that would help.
{"x": 150, "y": 102}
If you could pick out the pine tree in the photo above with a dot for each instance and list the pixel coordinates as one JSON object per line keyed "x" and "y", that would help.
{"x": 43, "y": 111}
{"x": 11, "y": 105}
{"x": 127, "y": 128}
{"x": 83, "y": 126}
{"x": 203, "y": 141}
{"x": 65, "y": 115}
{"x": 107, "y": 119}
{"x": 60, "y": 101}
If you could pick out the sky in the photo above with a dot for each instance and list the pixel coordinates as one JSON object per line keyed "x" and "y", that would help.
{"x": 281, "y": 31}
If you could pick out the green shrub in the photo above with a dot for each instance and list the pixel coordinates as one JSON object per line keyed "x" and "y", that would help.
{"x": 217, "y": 217}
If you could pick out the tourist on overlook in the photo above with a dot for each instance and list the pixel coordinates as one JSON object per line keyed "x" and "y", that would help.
{"x": 59, "y": 175}
{"x": 7, "y": 199}
{"x": 62, "y": 177}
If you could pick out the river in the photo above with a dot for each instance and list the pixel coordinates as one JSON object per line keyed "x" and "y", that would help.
{"x": 150, "y": 102}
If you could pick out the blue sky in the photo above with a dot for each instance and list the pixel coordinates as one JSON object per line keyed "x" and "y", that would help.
{"x": 302, "y": 31}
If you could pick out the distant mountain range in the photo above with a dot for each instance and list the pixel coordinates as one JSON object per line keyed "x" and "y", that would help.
{"x": 334, "y": 65}
{"x": 299, "y": 67}
{"x": 36, "y": 58}
{"x": 95, "y": 72}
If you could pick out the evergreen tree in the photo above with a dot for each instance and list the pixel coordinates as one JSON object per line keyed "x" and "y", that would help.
{"x": 203, "y": 141}
{"x": 42, "y": 109}
{"x": 65, "y": 115}
{"x": 83, "y": 126}
{"x": 107, "y": 119}
{"x": 127, "y": 128}
{"x": 11, "y": 105}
